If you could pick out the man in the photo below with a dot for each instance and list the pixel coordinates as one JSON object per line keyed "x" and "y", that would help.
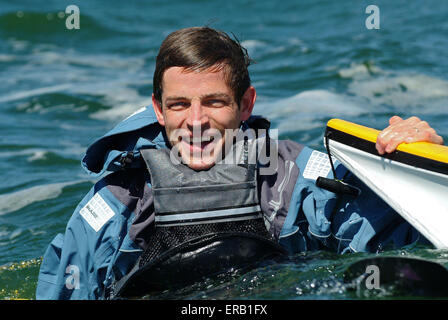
{"x": 151, "y": 207}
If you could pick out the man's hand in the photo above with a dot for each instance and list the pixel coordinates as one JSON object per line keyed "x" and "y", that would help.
{"x": 409, "y": 130}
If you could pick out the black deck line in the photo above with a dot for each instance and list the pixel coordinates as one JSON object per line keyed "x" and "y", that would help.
{"x": 399, "y": 156}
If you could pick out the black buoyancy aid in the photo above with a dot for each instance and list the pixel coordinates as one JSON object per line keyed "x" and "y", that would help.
{"x": 206, "y": 222}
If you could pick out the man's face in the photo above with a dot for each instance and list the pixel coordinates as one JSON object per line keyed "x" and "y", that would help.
{"x": 197, "y": 108}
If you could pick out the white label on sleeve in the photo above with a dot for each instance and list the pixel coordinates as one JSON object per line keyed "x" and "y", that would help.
{"x": 318, "y": 165}
{"x": 96, "y": 212}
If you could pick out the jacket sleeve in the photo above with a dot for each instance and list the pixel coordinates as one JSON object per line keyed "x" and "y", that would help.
{"x": 307, "y": 225}
{"x": 78, "y": 264}
{"x": 319, "y": 219}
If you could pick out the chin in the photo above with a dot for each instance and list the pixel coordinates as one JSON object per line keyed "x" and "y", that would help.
{"x": 200, "y": 166}
{"x": 200, "y": 163}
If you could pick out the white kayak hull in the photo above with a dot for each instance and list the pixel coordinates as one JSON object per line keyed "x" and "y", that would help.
{"x": 419, "y": 195}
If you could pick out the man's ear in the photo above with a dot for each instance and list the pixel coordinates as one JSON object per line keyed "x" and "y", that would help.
{"x": 247, "y": 103}
{"x": 158, "y": 110}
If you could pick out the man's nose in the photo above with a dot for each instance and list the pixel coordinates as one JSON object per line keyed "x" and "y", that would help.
{"x": 197, "y": 115}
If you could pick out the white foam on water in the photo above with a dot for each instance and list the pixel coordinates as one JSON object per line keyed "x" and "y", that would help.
{"x": 16, "y": 233}
{"x": 34, "y": 92}
{"x": 135, "y": 112}
{"x": 412, "y": 92}
{"x": 304, "y": 110}
{"x": 360, "y": 71}
{"x": 119, "y": 111}
{"x": 26, "y": 152}
{"x": 7, "y": 58}
{"x": 4, "y": 234}
{"x": 124, "y": 101}
{"x": 251, "y": 45}
{"x": 18, "y": 45}
{"x": 38, "y": 155}
{"x": 311, "y": 102}
{"x": 77, "y": 74}
{"x": 295, "y": 41}
{"x": 321, "y": 102}
{"x": 105, "y": 61}
{"x": 68, "y": 149}
{"x": 17, "y": 200}
{"x": 292, "y": 43}
{"x": 36, "y": 233}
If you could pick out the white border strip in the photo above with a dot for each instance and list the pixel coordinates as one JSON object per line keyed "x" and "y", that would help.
{"x": 207, "y": 214}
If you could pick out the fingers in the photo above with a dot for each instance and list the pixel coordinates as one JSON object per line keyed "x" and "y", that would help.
{"x": 394, "y": 120}
{"x": 410, "y": 130}
{"x": 389, "y": 138}
{"x": 438, "y": 139}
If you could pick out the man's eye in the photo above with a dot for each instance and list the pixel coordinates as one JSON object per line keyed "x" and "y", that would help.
{"x": 215, "y": 103}
{"x": 178, "y": 105}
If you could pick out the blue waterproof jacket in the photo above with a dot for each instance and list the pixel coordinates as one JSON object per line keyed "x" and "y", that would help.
{"x": 106, "y": 233}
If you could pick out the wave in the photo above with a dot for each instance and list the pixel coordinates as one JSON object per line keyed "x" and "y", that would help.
{"x": 50, "y": 27}
{"x": 64, "y": 150}
{"x": 80, "y": 59}
{"x": 320, "y": 102}
{"x": 306, "y": 109}
{"x": 20, "y": 95}
{"x": 51, "y": 159}
{"x": 107, "y": 101}
{"x": 82, "y": 82}
{"x": 7, "y": 58}
{"x": 19, "y": 199}
{"x": 360, "y": 70}
{"x": 252, "y": 45}
{"x": 408, "y": 92}
{"x": 121, "y": 109}
{"x": 33, "y": 153}
{"x": 60, "y": 104}
{"x": 371, "y": 90}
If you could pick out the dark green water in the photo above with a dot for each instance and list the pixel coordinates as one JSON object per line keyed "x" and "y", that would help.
{"x": 316, "y": 60}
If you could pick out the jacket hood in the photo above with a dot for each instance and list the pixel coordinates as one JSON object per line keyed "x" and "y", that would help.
{"x": 109, "y": 153}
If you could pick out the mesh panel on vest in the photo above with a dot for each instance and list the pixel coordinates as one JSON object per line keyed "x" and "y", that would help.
{"x": 166, "y": 238}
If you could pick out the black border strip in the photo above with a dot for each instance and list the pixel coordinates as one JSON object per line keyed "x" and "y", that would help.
{"x": 399, "y": 156}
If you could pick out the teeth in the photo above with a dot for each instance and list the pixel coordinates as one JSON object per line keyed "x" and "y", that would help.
{"x": 201, "y": 139}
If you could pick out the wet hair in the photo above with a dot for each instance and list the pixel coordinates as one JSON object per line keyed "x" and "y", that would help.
{"x": 201, "y": 48}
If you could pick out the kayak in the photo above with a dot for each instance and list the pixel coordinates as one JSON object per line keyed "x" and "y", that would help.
{"x": 413, "y": 180}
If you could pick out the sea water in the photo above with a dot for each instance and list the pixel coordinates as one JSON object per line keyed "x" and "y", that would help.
{"x": 62, "y": 88}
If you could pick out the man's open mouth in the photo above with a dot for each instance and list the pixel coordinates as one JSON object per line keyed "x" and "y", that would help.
{"x": 201, "y": 141}
{"x": 198, "y": 144}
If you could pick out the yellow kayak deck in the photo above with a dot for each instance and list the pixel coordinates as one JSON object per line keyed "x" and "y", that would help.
{"x": 426, "y": 155}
